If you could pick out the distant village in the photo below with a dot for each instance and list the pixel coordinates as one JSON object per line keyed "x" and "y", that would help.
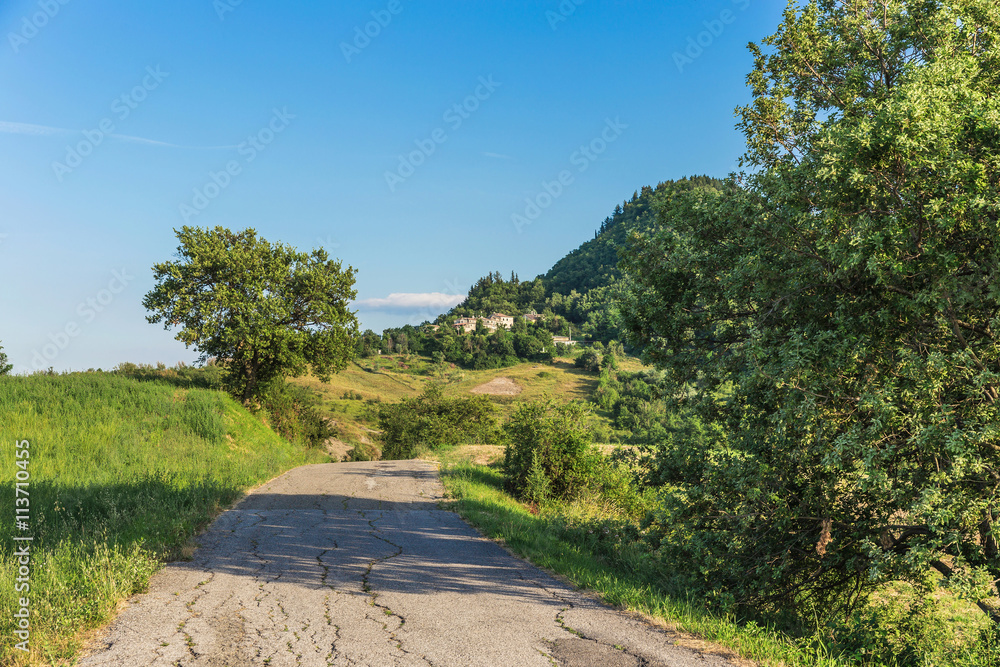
{"x": 465, "y": 325}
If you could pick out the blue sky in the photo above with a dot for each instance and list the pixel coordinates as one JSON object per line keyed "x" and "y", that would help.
{"x": 413, "y": 140}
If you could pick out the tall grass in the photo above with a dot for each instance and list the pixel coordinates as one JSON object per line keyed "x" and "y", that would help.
{"x": 123, "y": 473}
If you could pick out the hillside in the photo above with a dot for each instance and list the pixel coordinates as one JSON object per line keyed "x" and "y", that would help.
{"x": 394, "y": 377}
{"x": 121, "y": 473}
{"x": 581, "y": 289}
{"x": 595, "y": 263}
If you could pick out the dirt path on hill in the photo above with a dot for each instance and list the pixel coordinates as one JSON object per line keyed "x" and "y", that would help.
{"x": 501, "y": 386}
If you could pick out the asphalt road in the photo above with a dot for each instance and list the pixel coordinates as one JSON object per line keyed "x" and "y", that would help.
{"x": 355, "y": 564}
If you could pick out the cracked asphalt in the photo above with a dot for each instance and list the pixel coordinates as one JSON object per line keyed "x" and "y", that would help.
{"x": 356, "y": 564}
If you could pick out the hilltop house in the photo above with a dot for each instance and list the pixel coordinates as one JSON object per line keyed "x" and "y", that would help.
{"x": 501, "y": 320}
{"x": 467, "y": 324}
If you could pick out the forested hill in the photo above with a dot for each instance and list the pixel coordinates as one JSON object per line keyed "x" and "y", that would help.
{"x": 580, "y": 293}
{"x": 595, "y": 263}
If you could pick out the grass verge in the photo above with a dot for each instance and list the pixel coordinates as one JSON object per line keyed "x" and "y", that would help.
{"x": 122, "y": 474}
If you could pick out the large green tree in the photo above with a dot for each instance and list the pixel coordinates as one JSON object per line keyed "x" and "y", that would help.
{"x": 836, "y": 311}
{"x": 263, "y": 309}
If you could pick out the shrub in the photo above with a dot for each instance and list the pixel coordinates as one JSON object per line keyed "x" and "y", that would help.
{"x": 554, "y": 438}
{"x": 588, "y": 361}
{"x": 537, "y": 487}
{"x": 294, "y": 412}
{"x": 431, "y": 420}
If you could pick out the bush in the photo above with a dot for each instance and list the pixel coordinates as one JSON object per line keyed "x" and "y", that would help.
{"x": 431, "y": 420}
{"x": 554, "y": 438}
{"x": 294, "y": 413}
{"x": 537, "y": 488}
{"x": 588, "y": 361}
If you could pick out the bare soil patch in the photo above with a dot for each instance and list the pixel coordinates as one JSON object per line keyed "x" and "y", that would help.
{"x": 501, "y": 386}
{"x": 338, "y": 449}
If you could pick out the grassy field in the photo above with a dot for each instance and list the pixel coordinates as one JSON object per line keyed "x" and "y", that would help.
{"x": 122, "y": 474}
{"x": 394, "y": 377}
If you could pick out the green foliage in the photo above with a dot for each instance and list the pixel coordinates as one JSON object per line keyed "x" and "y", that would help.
{"x": 588, "y": 361}
{"x": 598, "y": 550}
{"x": 537, "y": 487}
{"x": 368, "y": 344}
{"x": 493, "y": 294}
{"x": 293, "y": 411}
{"x": 911, "y": 627}
{"x": 430, "y": 421}
{"x": 831, "y": 318}
{"x": 362, "y": 451}
{"x": 478, "y": 350}
{"x": 262, "y": 310}
{"x": 554, "y": 438}
{"x": 594, "y": 265}
{"x": 5, "y": 367}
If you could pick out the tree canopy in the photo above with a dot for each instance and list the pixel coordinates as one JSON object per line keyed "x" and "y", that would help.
{"x": 262, "y": 309}
{"x": 834, "y": 312}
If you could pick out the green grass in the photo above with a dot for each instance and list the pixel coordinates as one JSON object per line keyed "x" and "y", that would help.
{"x": 563, "y": 541}
{"x": 123, "y": 474}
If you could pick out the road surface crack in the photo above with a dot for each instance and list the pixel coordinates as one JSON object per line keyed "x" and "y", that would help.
{"x": 616, "y": 647}
{"x": 373, "y": 595}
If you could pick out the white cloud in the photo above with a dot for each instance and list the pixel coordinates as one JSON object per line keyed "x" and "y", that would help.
{"x": 412, "y": 301}
{"x": 29, "y": 129}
